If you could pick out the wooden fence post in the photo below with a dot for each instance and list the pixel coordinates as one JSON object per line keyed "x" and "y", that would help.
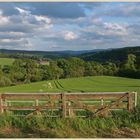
{"x": 135, "y": 98}
{"x": 5, "y": 104}
{"x": 102, "y": 101}
{"x": 63, "y": 105}
{"x": 1, "y": 105}
{"x": 130, "y": 101}
{"x": 70, "y": 110}
{"x": 36, "y": 102}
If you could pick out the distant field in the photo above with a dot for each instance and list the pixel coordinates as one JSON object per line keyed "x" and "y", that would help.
{"x": 6, "y": 61}
{"x": 83, "y": 84}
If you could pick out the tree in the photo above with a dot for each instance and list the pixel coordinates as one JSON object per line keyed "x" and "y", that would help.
{"x": 65, "y": 65}
{"x": 32, "y": 73}
{"x": 72, "y": 67}
{"x": 51, "y": 72}
{"x": 128, "y": 69}
{"x": 25, "y": 70}
{"x": 17, "y": 71}
{"x": 98, "y": 68}
{"x": 110, "y": 69}
{"x": 89, "y": 70}
{"x": 130, "y": 63}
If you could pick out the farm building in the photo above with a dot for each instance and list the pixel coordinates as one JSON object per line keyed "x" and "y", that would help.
{"x": 44, "y": 62}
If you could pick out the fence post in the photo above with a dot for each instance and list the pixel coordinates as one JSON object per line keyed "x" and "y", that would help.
{"x": 70, "y": 110}
{"x": 1, "y": 105}
{"x": 36, "y": 102}
{"x": 102, "y": 101}
{"x": 5, "y": 104}
{"x": 130, "y": 101}
{"x": 135, "y": 98}
{"x": 63, "y": 98}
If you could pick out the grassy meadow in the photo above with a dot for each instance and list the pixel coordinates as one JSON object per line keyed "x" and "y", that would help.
{"x": 6, "y": 61}
{"x": 83, "y": 84}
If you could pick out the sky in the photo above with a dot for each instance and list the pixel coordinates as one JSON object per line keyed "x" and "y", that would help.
{"x": 75, "y": 26}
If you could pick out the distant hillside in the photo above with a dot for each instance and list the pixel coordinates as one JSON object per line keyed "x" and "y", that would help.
{"x": 45, "y": 54}
{"x": 100, "y": 55}
{"x": 114, "y": 55}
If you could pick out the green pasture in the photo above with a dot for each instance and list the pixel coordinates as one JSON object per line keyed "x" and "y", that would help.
{"x": 83, "y": 84}
{"x": 6, "y": 61}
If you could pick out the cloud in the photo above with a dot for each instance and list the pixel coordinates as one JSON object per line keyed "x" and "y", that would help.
{"x": 1, "y": 12}
{"x": 25, "y": 22}
{"x": 68, "y": 35}
{"x": 96, "y": 20}
{"x": 17, "y": 31}
{"x": 3, "y": 19}
{"x": 62, "y": 26}
{"x": 115, "y": 28}
{"x": 44, "y": 21}
{"x": 55, "y": 10}
{"x": 22, "y": 11}
{"x": 20, "y": 44}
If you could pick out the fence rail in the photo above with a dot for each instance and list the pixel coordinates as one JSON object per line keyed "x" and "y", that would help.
{"x": 67, "y": 104}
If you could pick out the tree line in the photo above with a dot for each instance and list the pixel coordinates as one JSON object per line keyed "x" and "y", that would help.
{"x": 29, "y": 70}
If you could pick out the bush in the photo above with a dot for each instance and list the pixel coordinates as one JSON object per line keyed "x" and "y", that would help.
{"x": 4, "y": 81}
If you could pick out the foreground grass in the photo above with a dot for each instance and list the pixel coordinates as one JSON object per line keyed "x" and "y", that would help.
{"x": 6, "y": 61}
{"x": 119, "y": 125}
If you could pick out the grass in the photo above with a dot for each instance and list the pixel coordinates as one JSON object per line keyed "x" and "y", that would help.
{"x": 6, "y": 61}
{"x": 83, "y": 84}
{"x": 120, "y": 125}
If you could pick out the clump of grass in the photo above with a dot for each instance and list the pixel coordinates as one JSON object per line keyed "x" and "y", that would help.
{"x": 121, "y": 124}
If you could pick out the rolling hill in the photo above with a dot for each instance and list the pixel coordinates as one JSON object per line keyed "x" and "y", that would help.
{"x": 46, "y": 54}
{"x": 114, "y": 55}
{"x": 100, "y": 55}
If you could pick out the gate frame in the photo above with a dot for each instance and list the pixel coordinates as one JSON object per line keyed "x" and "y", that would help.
{"x": 131, "y": 100}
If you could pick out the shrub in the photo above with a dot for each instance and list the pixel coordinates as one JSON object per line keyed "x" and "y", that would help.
{"x": 4, "y": 81}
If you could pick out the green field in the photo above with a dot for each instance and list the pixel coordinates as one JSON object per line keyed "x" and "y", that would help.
{"x": 119, "y": 125}
{"x": 6, "y": 61}
{"x": 83, "y": 84}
